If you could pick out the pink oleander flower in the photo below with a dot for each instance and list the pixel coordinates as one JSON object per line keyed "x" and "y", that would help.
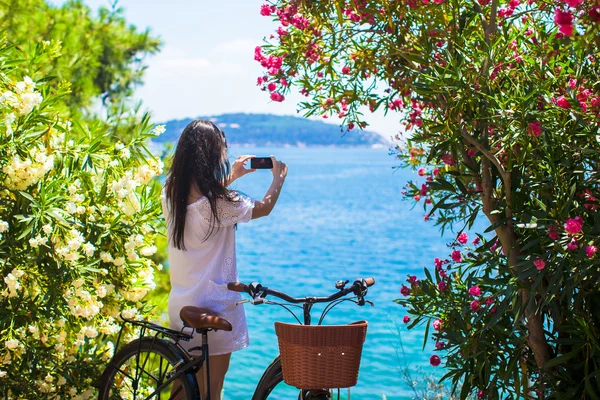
{"x": 572, "y": 246}
{"x": 413, "y": 280}
{"x": 480, "y": 394}
{"x": 566, "y": 30}
{"x": 436, "y": 172}
{"x": 539, "y": 264}
{"x": 563, "y": 17}
{"x": 440, "y": 345}
{"x": 438, "y": 263}
{"x": 417, "y": 197}
{"x": 272, "y": 86}
{"x": 572, "y": 83}
{"x": 442, "y": 286}
{"x": 562, "y": 102}
{"x": 435, "y": 360}
{"x": 346, "y": 70}
{"x": 405, "y": 291}
{"x": 475, "y": 305}
{"x": 278, "y": 97}
{"x": 476, "y": 241}
{"x": 422, "y": 172}
{"x": 406, "y": 319}
{"x": 553, "y": 232}
{"x": 489, "y": 301}
{"x": 266, "y": 10}
{"x": 574, "y": 3}
{"x": 463, "y": 238}
{"x": 475, "y": 291}
{"x": 535, "y": 128}
{"x": 456, "y": 256}
{"x": 448, "y": 159}
{"x": 590, "y": 251}
{"x": 424, "y": 189}
{"x": 574, "y": 225}
{"x": 437, "y": 324}
{"x": 282, "y": 32}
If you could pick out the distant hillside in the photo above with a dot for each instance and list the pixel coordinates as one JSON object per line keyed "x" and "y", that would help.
{"x": 274, "y": 130}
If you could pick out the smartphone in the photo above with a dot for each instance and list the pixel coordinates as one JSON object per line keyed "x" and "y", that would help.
{"x": 261, "y": 163}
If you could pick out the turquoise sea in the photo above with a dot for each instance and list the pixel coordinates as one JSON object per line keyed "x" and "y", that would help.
{"x": 340, "y": 216}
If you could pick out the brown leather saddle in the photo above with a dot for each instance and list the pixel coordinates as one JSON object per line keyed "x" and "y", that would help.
{"x": 202, "y": 318}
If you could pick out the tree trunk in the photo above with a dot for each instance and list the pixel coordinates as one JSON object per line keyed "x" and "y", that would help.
{"x": 508, "y": 240}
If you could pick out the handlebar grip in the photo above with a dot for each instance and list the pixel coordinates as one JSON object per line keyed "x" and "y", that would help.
{"x": 370, "y": 281}
{"x": 238, "y": 287}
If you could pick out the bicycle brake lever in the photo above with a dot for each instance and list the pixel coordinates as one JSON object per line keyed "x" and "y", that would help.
{"x": 258, "y": 300}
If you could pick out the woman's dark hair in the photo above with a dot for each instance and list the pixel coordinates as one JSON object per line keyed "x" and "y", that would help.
{"x": 201, "y": 159}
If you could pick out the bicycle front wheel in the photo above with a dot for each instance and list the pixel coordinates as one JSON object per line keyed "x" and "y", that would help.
{"x": 140, "y": 370}
{"x": 272, "y": 386}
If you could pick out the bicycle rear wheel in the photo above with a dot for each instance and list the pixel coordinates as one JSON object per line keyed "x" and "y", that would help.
{"x": 141, "y": 367}
{"x": 272, "y": 386}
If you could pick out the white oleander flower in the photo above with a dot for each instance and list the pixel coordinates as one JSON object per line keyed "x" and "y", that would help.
{"x": 106, "y": 257}
{"x": 77, "y": 283}
{"x": 129, "y": 313}
{"x": 148, "y": 251}
{"x": 8, "y": 121}
{"x": 62, "y": 336}
{"x": 47, "y": 229}
{"x": 71, "y": 207}
{"x": 2, "y": 374}
{"x": 28, "y": 102}
{"x": 3, "y": 226}
{"x": 158, "y": 130}
{"x": 119, "y": 261}
{"x": 13, "y": 284}
{"x": 11, "y": 344}
{"x": 89, "y": 331}
{"x": 89, "y": 249}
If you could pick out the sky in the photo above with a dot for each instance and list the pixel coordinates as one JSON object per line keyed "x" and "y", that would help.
{"x": 206, "y": 66}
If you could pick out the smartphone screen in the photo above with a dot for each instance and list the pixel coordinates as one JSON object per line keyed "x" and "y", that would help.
{"x": 261, "y": 163}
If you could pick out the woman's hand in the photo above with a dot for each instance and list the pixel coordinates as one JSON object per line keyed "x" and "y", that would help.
{"x": 279, "y": 169}
{"x": 238, "y": 169}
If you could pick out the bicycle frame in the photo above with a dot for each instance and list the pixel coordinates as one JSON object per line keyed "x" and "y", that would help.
{"x": 173, "y": 337}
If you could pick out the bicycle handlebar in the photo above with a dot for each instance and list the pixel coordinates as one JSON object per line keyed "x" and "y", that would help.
{"x": 358, "y": 287}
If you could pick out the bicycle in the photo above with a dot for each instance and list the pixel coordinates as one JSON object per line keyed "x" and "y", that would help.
{"x": 147, "y": 367}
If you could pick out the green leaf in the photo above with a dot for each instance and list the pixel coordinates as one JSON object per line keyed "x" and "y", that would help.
{"x": 553, "y": 362}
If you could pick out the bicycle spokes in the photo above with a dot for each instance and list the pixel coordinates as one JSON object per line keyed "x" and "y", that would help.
{"x": 142, "y": 377}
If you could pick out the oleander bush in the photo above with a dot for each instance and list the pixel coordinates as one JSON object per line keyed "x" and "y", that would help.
{"x": 498, "y": 107}
{"x": 79, "y": 215}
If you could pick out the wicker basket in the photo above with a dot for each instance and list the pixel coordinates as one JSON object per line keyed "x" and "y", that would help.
{"x": 321, "y": 357}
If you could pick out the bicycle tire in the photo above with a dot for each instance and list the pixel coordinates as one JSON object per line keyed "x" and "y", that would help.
{"x": 272, "y": 377}
{"x": 151, "y": 346}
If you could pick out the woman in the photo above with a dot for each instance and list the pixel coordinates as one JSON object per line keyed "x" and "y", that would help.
{"x": 201, "y": 214}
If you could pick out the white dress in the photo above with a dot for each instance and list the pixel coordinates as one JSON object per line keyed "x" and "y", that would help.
{"x": 199, "y": 274}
